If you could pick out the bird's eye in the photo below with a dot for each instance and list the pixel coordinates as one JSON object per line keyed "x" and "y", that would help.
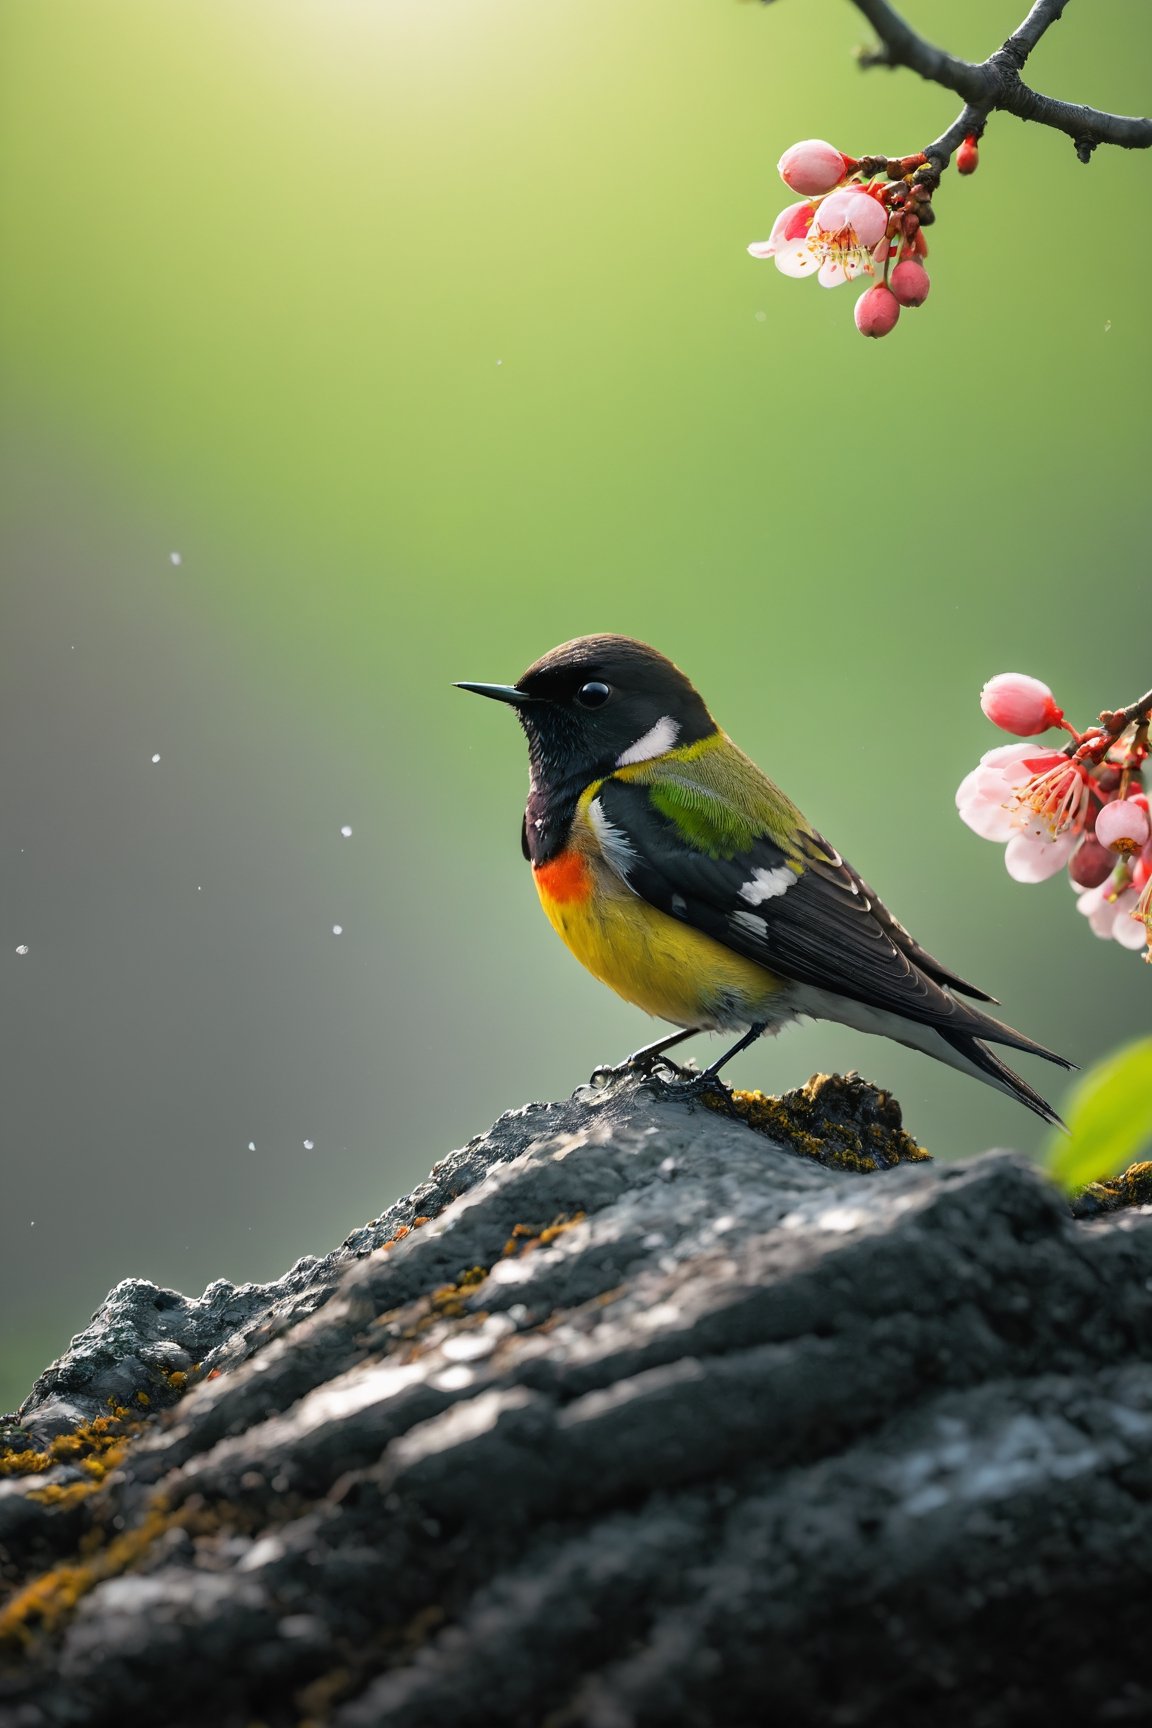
{"x": 593, "y": 695}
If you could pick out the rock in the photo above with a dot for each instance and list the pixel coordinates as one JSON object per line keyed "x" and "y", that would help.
{"x": 628, "y": 1417}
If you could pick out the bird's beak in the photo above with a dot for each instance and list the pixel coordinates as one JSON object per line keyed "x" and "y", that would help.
{"x": 500, "y": 693}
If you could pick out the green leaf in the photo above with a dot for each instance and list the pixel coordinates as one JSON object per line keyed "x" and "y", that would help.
{"x": 1109, "y": 1118}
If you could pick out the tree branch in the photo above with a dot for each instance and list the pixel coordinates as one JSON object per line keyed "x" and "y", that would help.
{"x": 995, "y": 85}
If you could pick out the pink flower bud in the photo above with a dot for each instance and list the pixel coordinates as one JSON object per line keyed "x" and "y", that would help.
{"x": 812, "y": 167}
{"x": 909, "y": 282}
{"x": 1122, "y": 826}
{"x": 1019, "y": 704}
{"x": 1091, "y": 864}
{"x": 877, "y": 311}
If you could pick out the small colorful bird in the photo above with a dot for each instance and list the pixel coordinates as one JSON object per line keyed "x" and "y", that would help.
{"x": 679, "y": 875}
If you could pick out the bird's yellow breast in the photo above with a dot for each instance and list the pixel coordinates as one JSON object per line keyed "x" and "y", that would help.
{"x": 663, "y": 966}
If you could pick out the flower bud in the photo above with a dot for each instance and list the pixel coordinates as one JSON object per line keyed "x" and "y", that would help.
{"x": 812, "y": 167}
{"x": 1019, "y": 704}
{"x": 968, "y": 156}
{"x": 1091, "y": 863}
{"x": 909, "y": 282}
{"x": 1122, "y": 826}
{"x": 877, "y": 311}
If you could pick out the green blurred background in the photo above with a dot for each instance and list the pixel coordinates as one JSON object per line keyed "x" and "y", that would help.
{"x": 423, "y": 332}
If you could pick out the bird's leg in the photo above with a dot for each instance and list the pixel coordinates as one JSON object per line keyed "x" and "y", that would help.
{"x": 700, "y": 1082}
{"x": 647, "y": 1056}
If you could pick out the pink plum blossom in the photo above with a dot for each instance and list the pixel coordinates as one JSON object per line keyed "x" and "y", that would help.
{"x": 1122, "y": 825}
{"x": 1012, "y": 700}
{"x": 985, "y": 796}
{"x": 1112, "y": 914}
{"x": 813, "y": 166}
{"x": 846, "y": 230}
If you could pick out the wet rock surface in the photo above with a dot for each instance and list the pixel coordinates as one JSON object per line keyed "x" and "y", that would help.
{"x": 627, "y": 1417}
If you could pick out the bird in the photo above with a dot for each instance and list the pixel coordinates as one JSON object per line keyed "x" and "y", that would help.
{"x": 687, "y": 881}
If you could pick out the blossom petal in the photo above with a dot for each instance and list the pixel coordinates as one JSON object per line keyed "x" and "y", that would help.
{"x": 796, "y": 258}
{"x": 1127, "y": 929}
{"x": 762, "y": 249}
{"x": 986, "y": 817}
{"x": 1028, "y": 859}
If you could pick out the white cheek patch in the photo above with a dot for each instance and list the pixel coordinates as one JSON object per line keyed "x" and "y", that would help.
{"x": 767, "y": 884}
{"x": 654, "y": 743}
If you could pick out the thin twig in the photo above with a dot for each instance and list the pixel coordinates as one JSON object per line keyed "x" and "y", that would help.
{"x": 995, "y": 85}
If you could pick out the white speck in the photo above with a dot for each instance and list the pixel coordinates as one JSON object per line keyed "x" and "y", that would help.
{"x": 499, "y": 362}
{"x": 766, "y": 884}
{"x": 156, "y": 758}
{"x": 32, "y": 1223}
{"x": 175, "y": 558}
{"x": 1107, "y": 323}
{"x": 199, "y": 890}
{"x": 251, "y": 1145}
{"x": 308, "y": 1145}
{"x": 761, "y": 317}
{"x": 23, "y": 948}
{"x": 346, "y": 831}
{"x": 337, "y": 929}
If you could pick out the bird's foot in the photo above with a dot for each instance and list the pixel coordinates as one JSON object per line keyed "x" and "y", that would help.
{"x": 640, "y": 1066}
{"x": 687, "y": 1083}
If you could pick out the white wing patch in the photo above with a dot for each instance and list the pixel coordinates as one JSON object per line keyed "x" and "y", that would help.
{"x": 750, "y": 922}
{"x": 766, "y": 884}
{"x": 614, "y": 843}
{"x": 654, "y": 743}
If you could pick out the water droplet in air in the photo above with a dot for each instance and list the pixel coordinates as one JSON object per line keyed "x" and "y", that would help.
{"x": 499, "y": 362}
{"x": 251, "y": 1145}
{"x": 337, "y": 929}
{"x": 308, "y": 1145}
{"x": 175, "y": 558}
{"x": 761, "y": 317}
{"x": 1107, "y": 323}
{"x": 23, "y": 948}
{"x": 156, "y": 758}
{"x": 346, "y": 831}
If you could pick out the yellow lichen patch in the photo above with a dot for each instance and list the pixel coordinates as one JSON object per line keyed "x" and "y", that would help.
{"x": 95, "y": 1446}
{"x": 527, "y": 1237}
{"x": 448, "y": 1300}
{"x": 838, "y": 1120}
{"x": 47, "y": 1599}
{"x": 1133, "y": 1187}
{"x": 62, "y": 1495}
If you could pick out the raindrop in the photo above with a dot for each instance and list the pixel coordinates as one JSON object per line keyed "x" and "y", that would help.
{"x": 337, "y": 929}
{"x": 499, "y": 362}
{"x": 23, "y": 948}
{"x": 761, "y": 317}
{"x": 251, "y": 1145}
{"x": 308, "y": 1145}
{"x": 1107, "y": 323}
{"x": 175, "y": 558}
{"x": 346, "y": 831}
{"x": 156, "y": 758}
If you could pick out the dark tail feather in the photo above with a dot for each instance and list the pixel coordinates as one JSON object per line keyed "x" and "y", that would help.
{"x": 1003, "y": 1077}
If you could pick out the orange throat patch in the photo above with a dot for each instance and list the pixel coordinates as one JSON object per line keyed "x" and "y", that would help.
{"x": 563, "y": 879}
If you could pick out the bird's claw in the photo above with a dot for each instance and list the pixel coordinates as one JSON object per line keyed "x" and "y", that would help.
{"x": 642, "y": 1063}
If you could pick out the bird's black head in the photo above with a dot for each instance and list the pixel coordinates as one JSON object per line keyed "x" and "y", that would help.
{"x": 599, "y": 703}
